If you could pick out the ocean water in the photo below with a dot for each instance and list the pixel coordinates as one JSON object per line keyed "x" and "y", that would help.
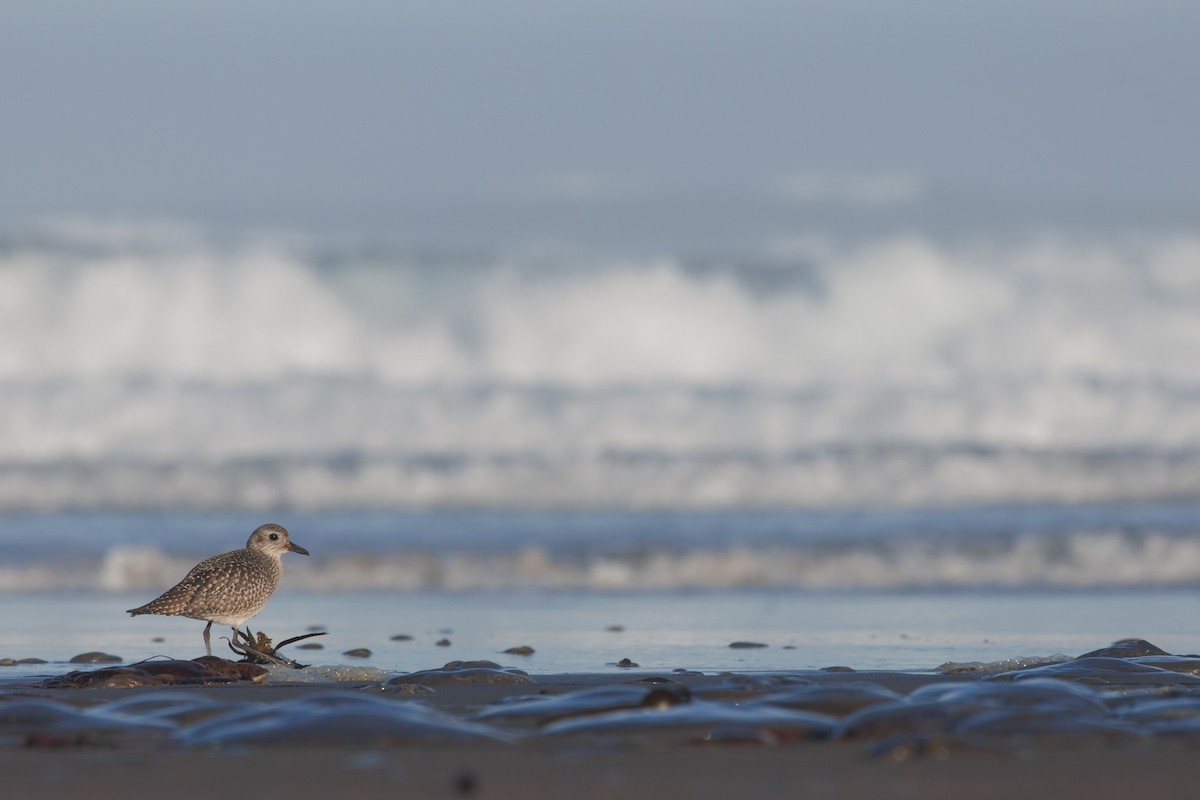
{"x": 903, "y": 590}
{"x": 154, "y": 366}
{"x": 890, "y": 451}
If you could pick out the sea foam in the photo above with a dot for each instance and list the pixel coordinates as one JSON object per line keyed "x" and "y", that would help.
{"x": 148, "y": 368}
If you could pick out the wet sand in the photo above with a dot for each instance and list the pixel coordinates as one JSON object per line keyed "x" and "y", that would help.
{"x": 1099, "y": 729}
{"x": 827, "y": 771}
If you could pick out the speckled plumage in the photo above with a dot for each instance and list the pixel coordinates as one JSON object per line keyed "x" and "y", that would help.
{"x": 229, "y": 588}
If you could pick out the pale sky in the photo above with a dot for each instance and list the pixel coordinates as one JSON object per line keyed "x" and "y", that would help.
{"x": 473, "y": 122}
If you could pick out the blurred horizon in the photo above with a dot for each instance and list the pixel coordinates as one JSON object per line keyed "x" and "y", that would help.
{"x": 667, "y": 126}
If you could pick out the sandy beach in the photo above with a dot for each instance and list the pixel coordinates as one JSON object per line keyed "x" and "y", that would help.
{"x": 826, "y": 771}
{"x": 1099, "y": 727}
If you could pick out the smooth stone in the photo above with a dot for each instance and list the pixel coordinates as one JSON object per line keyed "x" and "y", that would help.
{"x": 358, "y": 652}
{"x": 96, "y": 657}
{"x": 405, "y": 689}
{"x": 357, "y": 721}
{"x": 442, "y": 643}
{"x": 205, "y": 670}
{"x": 1101, "y": 670}
{"x": 456, "y": 672}
{"x": 626, "y": 663}
{"x": 536, "y": 710}
{"x": 237, "y": 670}
{"x": 523, "y": 650}
{"x": 746, "y": 645}
{"x": 402, "y": 637}
{"x": 834, "y": 700}
{"x": 699, "y": 722}
{"x": 1127, "y": 648}
{"x": 1188, "y": 664}
{"x": 310, "y": 646}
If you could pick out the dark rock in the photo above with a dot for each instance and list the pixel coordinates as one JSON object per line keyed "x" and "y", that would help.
{"x": 1127, "y": 648}
{"x": 463, "y": 672}
{"x": 96, "y": 657}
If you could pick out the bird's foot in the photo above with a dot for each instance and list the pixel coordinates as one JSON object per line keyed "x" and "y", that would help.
{"x": 258, "y": 649}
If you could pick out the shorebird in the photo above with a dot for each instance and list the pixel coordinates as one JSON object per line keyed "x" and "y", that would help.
{"x": 229, "y": 588}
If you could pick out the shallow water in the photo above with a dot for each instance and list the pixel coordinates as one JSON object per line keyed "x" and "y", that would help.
{"x": 893, "y": 590}
{"x": 659, "y": 631}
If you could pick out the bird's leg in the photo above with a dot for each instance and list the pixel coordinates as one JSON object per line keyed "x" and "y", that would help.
{"x": 207, "y": 641}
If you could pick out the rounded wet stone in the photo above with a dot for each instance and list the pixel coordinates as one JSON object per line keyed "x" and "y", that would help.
{"x": 1127, "y": 648}
{"x": 835, "y": 700}
{"x": 464, "y": 672}
{"x": 538, "y": 710}
{"x": 1102, "y": 671}
{"x": 343, "y": 719}
{"x": 46, "y": 723}
{"x": 95, "y": 657}
{"x": 698, "y": 721}
{"x": 521, "y": 650}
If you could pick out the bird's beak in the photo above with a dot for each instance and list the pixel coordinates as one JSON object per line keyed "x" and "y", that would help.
{"x": 295, "y": 548}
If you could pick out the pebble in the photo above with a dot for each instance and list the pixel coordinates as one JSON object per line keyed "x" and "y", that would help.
{"x": 402, "y": 637}
{"x": 341, "y": 718}
{"x": 832, "y": 700}
{"x": 1127, "y": 648}
{"x": 358, "y": 652}
{"x": 523, "y": 650}
{"x": 746, "y": 645}
{"x": 204, "y": 670}
{"x": 1104, "y": 670}
{"x": 699, "y": 721}
{"x": 442, "y": 643}
{"x": 463, "y": 672}
{"x": 536, "y": 710}
{"x": 96, "y": 657}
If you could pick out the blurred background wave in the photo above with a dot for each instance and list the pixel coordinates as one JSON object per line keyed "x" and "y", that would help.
{"x": 559, "y": 255}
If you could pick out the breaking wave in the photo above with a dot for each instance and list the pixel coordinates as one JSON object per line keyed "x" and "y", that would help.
{"x": 154, "y": 367}
{"x": 1112, "y": 559}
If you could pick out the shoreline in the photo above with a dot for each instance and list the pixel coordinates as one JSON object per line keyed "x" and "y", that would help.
{"x": 464, "y": 731}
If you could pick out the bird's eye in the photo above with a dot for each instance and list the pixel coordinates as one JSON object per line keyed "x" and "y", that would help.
{"x": 274, "y": 536}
